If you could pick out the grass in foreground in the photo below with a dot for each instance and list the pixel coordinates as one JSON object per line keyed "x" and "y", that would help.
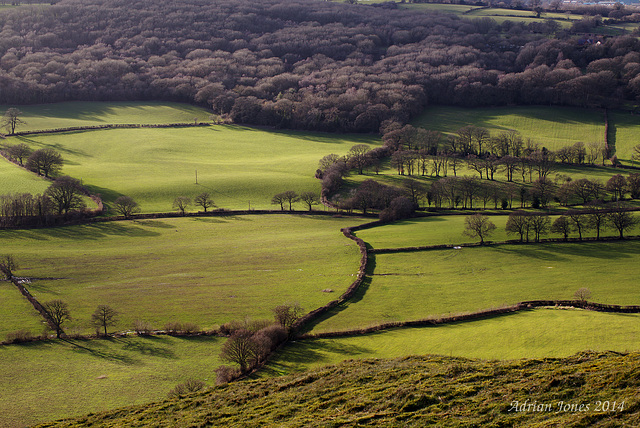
{"x": 44, "y": 381}
{"x": 536, "y": 333}
{"x": 14, "y": 179}
{"x": 416, "y": 391}
{"x": 410, "y": 286}
{"x": 206, "y": 271}
{"x": 240, "y": 167}
{"x": 17, "y": 312}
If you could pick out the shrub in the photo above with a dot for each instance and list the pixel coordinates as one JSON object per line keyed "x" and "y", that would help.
{"x": 225, "y": 374}
{"x": 142, "y": 327}
{"x": 191, "y": 385}
{"x": 173, "y": 327}
{"x": 19, "y": 336}
{"x": 190, "y": 328}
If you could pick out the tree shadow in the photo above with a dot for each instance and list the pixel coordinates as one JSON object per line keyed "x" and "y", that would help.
{"x": 146, "y": 346}
{"x": 605, "y": 250}
{"x": 82, "y": 347}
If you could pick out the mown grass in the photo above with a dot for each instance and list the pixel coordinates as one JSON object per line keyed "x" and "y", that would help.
{"x": 207, "y": 271}
{"x": 87, "y": 113}
{"x": 43, "y": 381}
{"x": 550, "y": 127}
{"x": 411, "y": 286}
{"x": 240, "y": 167}
{"x": 17, "y": 312}
{"x": 412, "y": 392}
{"x": 539, "y": 333}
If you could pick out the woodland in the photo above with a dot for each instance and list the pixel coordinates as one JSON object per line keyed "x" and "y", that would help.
{"x": 304, "y": 64}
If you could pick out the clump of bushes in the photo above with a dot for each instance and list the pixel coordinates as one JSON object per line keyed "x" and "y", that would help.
{"x": 191, "y": 385}
{"x": 19, "y": 336}
{"x": 142, "y": 328}
{"x": 183, "y": 328}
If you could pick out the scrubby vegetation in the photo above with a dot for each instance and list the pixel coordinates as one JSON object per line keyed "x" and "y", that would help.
{"x": 412, "y": 391}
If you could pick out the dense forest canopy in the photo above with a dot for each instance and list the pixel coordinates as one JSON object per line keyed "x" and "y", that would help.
{"x": 302, "y": 64}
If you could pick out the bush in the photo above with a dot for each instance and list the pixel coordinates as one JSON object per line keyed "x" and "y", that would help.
{"x": 173, "y": 327}
{"x": 246, "y": 324}
{"x": 142, "y": 327}
{"x": 191, "y": 385}
{"x": 19, "y": 336}
{"x": 190, "y": 328}
{"x": 225, "y": 374}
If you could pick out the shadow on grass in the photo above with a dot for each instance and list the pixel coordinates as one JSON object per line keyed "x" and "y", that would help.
{"x": 606, "y": 250}
{"x": 97, "y": 349}
{"x": 358, "y": 296}
{"x": 81, "y": 232}
{"x": 298, "y": 355}
{"x": 148, "y": 346}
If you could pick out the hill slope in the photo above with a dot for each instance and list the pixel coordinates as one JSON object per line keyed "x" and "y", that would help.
{"x": 414, "y": 391}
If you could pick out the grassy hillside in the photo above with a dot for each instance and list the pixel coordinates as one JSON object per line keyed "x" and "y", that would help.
{"x": 551, "y": 127}
{"x": 85, "y": 113}
{"x": 239, "y": 166}
{"x": 202, "y": 270}
{"x": 536, "y": 333}
{"x": 409, "y": 286}
{"x": 415, "y": 391}
{"x": 43, "y": 381}
{"x": 14, "y": 179}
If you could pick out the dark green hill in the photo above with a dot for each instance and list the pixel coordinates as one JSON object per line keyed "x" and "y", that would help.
{"x": 414, "y": 391}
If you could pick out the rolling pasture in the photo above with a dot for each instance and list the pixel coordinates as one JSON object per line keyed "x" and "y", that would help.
{"x": 14, "y": 179}
{"x": 417, "y": 285}
{"x": 86, "y": 113}
{"x": 240, "y": 167}
{"x": 43, "y": 381}
{"x": 540, "y": 333}
{"x": 550, "y": 127}
{"x": 206, "y": 271}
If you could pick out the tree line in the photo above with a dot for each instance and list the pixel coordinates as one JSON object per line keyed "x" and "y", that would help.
{"x": 304, "y": 65}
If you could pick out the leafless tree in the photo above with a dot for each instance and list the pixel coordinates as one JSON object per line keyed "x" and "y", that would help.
{"x": 310, "y": 198}
{"x": 478, "y": 225}
{"x": 11, "y": 120}
{"x": 279, "y": 199}
{"x": 519, "y": 222}
{"x": 104, "y": 316}
{"x": 241, "y": 349}
{"x": 204, "y": 200}
{"x": 290, "y": 197}
{"x": 622, "y": 219}
{"x": 7, "y": 265}
{"x": 582, "y": 294}
{"x": 45, "y": 162}
{"x": 181, "y": 203}
{"x": 286, "y": 315}
{"x": 126, "y": 206}
{"x": 66, "y": 193}
{"x": 19, "y": 152}
{"x": 562, "y": 226}
{"x": 358, "y": 156}
{"x": 58, "y": 310}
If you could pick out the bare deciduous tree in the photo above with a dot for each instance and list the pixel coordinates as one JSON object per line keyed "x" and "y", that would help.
{"x": 204, "y": 200}
{"x": 240, "y": 348}
{"x": 19, "y": 152}
{"x": 478, "y": 225}
{"x": 45, "y": 162}
{"x": 310, "y": 198}
{"x": 286, "y": 315}
{"x": 66, "y": 193}
{"x": 11, "y": 120}
{"x": 58, "y": 310}
{"x": 126, "y": 206}
{"x": 582, "y": 294}
{"x": 104, "y": 316}
{"x": 7, "y": 266}
{"x": 181, "y": 203}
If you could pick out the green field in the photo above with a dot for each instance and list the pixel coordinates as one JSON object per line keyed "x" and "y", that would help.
{"x": 456, "y": 9}
{"x": 550, "y": 127}
{"x": 627, "y": 131}
{"x": 202, "y": 270}
{"x": 17, "y": 312}
{"x": 417, "y": 285}
{"x": 14, "y": 179}
{"x": 240, "y": 167}
{"x": 43, "y": 381}
{"x": 439, "y": 230}
{"x": 540, "y": 333}
{"x": 85, "y": 113}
